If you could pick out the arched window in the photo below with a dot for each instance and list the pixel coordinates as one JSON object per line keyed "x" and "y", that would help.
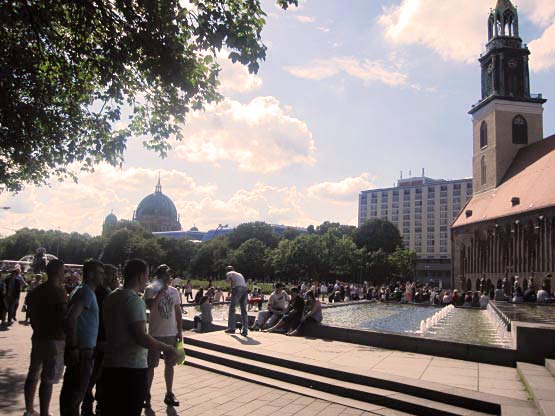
{"x": 483, "y": 134}
{"x": 520, "y": 130}
{"x": 483, "y": 170}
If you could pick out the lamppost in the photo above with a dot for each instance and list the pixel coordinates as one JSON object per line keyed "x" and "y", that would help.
{"x": 219, "y": 228}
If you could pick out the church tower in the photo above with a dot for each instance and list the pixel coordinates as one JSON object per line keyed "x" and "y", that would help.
{"x": 507, "y": 117}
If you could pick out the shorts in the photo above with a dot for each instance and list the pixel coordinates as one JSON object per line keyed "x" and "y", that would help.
{"x": 47, "y": 361}
{"x": 153, "y": 357}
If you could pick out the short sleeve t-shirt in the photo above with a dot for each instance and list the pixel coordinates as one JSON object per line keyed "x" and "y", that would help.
{"x": 122, "y": 308}
{"x": 87, "y": 323}
{"x": 47, "y": 307}
{"x": 236, "y": 279}
{"x": 162, "y": 322}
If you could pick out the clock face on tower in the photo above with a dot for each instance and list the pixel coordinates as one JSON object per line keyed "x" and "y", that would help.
{"x": 490, "y": 68}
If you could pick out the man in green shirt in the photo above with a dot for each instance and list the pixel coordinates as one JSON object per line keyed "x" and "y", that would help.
{"x": 124, "y": 376}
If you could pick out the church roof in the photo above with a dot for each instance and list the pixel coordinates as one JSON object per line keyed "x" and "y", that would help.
{"x": 529, "y": 178}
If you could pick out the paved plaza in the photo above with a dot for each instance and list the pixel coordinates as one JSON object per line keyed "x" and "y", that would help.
{"x": 200, "y": 392}
{"x": 372, "y": 361}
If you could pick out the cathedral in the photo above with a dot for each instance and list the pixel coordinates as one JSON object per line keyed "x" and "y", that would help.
{"x": 507, "y": 228}
{"x": 156, "y": 213}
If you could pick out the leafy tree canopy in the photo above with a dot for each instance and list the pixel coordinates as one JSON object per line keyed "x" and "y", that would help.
{"x": 78, "y": 78}
{"x": 258, "y": 230}
{"x": 378, "y": 234}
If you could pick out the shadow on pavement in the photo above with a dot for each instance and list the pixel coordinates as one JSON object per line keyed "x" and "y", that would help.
{"x": 246, "y": 340}
{"x": 11, "y": 386}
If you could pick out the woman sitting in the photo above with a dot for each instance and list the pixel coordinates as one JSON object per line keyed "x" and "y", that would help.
{"x": 203, "y": 321}
{"x": 312, "y": 314}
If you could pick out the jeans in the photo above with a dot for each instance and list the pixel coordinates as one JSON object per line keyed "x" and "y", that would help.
{"x": 124, "y": 391}
{"x": 238, "y": 296}
{"x": 76, "y": 381}
{"x": 95, "y": 376}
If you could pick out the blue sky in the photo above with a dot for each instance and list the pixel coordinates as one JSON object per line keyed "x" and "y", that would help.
{"x": 351, "y": 93}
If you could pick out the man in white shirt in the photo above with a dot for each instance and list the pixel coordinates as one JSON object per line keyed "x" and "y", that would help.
{"x": 165, "y": 325}
{"x": 276, "y": 306}
{"x": 238, "y": 297}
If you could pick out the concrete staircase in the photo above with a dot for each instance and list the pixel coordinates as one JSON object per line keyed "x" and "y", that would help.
{"x": 540, "y": 382}
{"x": 372, "y": 394}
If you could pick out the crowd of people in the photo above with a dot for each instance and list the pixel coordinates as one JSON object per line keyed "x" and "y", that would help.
{"x": 96, "y": 338}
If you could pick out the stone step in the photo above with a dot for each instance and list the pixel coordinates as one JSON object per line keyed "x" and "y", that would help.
{"x": 466, "y": 399}
{"x": 276, "y": 384}
{"x": 342, "y": 392}
{"x": 550, "y": 365}
{"x": 541, "y": 385}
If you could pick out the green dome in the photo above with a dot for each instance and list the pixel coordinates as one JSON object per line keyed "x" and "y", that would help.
{"x": 157, "y": 212}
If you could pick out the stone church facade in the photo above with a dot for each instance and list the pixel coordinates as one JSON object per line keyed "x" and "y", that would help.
{"x": 508, "y": 226}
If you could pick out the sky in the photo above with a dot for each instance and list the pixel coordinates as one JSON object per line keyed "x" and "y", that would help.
{"x": 352, "y": 92}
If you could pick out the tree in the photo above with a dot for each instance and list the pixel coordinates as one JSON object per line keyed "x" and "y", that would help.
{"x": 378, "y": 234}
{"x": 403, "y": 263}
{"x": 73, "y": 71}
{"x": 347, "y": 230}
{"x": 179, "y": 253}
{"x": 250, "y": 259}
{"x": 258, "y": 230}
{"x": 211, "y": 258}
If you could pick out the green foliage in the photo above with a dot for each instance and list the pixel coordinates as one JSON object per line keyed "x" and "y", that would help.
{"x": 378, "y": 234}
{"x": 249, "y": 230}
{"x": 403, "y": 263}
{"x": 80, "y": 77}
{"x": 250, "y": 258}
{"x": 329, "y": 253}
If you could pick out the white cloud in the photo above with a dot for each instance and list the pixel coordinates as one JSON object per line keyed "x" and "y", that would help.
{"x": 83, "y": 206}
{"x": 456, "y": 33}
{"x": 235, "y": 77}
{"x": 343, "y": 191}
{"x": 543, "y": 50}
{"x": 304, "y": 19}
{"x": 261, "y": 136}
{"x": 366, "y": 70}
{"x": 323, "y": 29}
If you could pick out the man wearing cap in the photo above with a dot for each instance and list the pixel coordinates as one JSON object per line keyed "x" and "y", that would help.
{"x": 165, "y": 325}
{"x": 238, "y": 297}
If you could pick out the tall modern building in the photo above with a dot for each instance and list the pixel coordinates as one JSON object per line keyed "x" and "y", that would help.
{"x": 423, "y": 210}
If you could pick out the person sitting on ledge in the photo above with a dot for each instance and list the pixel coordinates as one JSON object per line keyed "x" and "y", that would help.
{"x": 499, "y": 295}
{"x": 203, "y": 321}
{"x": 484, "y": 300}
{"x": 519, "y": 296}
{"x": 198, "y": 297}
{"x": 530, "y": 293}
{"x": 475, "y": 302}
{"x": 543, "y": 295}
{"x": 292, "y": 317}
{"x": 276, "y": 307}
{"x": 446, "y": 298}
{"x": 312, "y": 315}
{"x": 467, "y": 300}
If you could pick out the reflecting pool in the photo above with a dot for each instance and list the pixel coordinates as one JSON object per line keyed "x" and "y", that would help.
{"x": 471, "y": 326}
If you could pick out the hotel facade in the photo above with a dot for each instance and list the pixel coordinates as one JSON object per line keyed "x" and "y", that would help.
{"x": 423, "y": 209}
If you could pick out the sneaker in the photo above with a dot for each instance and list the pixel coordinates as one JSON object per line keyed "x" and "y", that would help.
{"x": 255, "y": 328}
{"x": 229, "y": 331}
{"x": 170, "y": 400}
{"x": 245, "y": 333}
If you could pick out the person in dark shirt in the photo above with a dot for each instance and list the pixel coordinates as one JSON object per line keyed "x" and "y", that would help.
{"x": 47, "y": 305}
{"x": 293, "y": 314}
{"x": 109, "y": 283}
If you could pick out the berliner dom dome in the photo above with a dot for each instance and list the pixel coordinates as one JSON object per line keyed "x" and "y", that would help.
{"x": 157, "y": 212}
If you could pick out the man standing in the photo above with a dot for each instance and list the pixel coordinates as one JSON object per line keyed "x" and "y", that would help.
{"x": 14, "y": 283}
{"x": 82, "y": 331}
{"x": 238, "y": 296}
{"x": 47, "y": 307}
{"x": 109, "y": 282}
{"x": 124, "y": 375}
{"x": 165, "y": 326}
